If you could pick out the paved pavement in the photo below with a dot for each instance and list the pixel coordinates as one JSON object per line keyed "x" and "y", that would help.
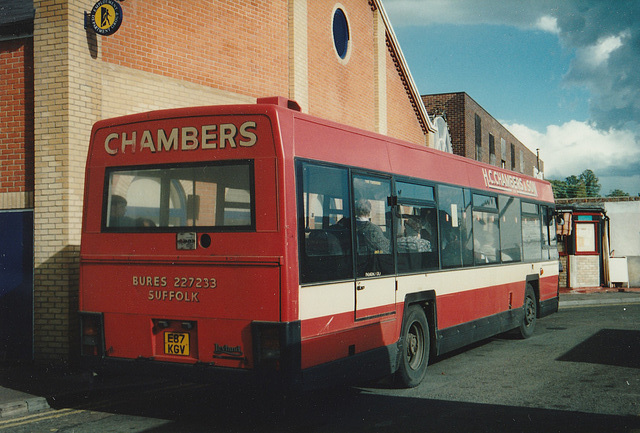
{"x": 27, "y": 388}
{"x": 14, "y": 402}
{"x": 579, "y": 298}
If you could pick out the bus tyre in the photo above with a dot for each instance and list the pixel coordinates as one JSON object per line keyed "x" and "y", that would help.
{"x": 530, "y": 312}
{"x": 415, "y": 348}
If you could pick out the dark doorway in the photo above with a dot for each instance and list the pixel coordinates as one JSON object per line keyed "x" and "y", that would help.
{"x": 16, "y": 285}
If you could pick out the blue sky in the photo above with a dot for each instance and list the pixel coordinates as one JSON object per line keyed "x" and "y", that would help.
{"x": 564, "y": 77}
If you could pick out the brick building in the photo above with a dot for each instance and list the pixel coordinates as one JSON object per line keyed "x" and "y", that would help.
{"x": 477, "y": 135}
{"x": 16, "y": 178}
{"x": 57, "y": 79}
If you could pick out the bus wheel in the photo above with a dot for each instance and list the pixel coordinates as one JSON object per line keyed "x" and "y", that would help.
{"x": 528, "y": 324}
{"x": 415, "y": 348}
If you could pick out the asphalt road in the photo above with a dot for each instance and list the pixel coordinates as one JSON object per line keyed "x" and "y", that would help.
{"x": 580, "y": 372}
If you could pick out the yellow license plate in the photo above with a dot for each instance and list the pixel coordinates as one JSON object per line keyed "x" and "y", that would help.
{"x": 176, "y": 343}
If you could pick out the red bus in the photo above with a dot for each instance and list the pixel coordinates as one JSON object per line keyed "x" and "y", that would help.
{"x": 255, "y": 241}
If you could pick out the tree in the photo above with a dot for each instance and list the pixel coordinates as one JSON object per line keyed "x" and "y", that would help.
{"x": 618, "y": 193}
{"x": 591, "y": 183}
{"x": 559, "y": 188}
{"x": 576, "y": 187}
{"x": 584, "y": 185}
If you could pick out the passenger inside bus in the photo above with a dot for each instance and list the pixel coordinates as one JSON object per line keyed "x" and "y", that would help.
{"x": 371, "y": 234}
{"x": 117, "y": 213}
{"x": 118, "y": 217}
{"x": 412, "y": 240}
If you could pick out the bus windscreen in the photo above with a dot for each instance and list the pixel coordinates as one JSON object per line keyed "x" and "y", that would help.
{"x": 217, "y": 196}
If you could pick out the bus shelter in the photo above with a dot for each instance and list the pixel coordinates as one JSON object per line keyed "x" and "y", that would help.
{"x": 583, "y": 246}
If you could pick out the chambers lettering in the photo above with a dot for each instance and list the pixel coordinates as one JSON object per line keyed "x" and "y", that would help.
{"x": 186, "y": 138}
{"x": 508, "y": 182}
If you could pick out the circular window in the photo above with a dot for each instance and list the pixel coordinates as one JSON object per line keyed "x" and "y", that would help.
{"x": 340, "y": 33}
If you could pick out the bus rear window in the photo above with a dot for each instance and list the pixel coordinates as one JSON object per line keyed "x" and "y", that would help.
{"x": 214, "y": 196}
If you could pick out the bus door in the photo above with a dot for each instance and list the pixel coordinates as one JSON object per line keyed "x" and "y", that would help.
{"x": 375, "y": 283}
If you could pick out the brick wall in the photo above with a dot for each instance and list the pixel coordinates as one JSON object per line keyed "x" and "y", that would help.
{"x": 451, "y": 106}
{"x": 563, "y": 276}
{"x": 461, "y": 111}
{"x": 402, "y": 122}
{"x": 380, "y": 56}
{"x": 366, "y": 89}
{"x": 298, "y": 54}
{"x": 340, "y": 89}
{"x": 563, "y": 281}
{"x": 132, "y": 91}
{"x": 584, "y": 271}
{"x": 66, "y": 104}
{"x": 240, "y": 47}
{"x": 16, "y": 124}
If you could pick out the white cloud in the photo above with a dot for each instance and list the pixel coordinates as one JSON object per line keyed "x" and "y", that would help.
{"x": 598, "y": 53}
{"x": 602, "y": 39}
{"x": 548, "y": 23}
{"x": 573, "y": 147}
{"x": 518, "y": 13}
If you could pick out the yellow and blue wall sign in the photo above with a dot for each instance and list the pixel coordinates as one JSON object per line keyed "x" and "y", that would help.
{"x": 105, "y": 17}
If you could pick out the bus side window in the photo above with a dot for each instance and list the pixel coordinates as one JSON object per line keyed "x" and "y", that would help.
{"x": 549, "y": 233}
{"x": 373, "y": 224}
{"x": 417, "y": 233}
{"x": 486, "y": 234}
{"x": 456, "y": 235}
{"x": 450, "y": 206}
{"x": 510, "y": 229}
{"x": 325, "y": 224}
{"x": 417, "y": 239}
{"x": 466, "y": 229}
{"x": 531, "y": 231}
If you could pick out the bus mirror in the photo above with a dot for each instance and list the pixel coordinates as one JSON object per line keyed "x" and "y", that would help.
{"x": 193, "y": 207}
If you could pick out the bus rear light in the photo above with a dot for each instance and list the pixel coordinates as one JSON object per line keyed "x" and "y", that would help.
{"x": 267, "y": 345}
{"x": 270, "y": 344}
{"x": 91, "y": 334}
{"x": 276, "y": 345}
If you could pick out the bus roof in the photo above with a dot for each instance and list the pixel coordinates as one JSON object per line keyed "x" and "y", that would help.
{"x": 275, "y": 126}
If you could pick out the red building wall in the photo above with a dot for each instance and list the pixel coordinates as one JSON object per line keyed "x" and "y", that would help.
{"x": 451, "y": 105}
{"x": 461, "y": 111}
{"x": 341, "y": 90}
{"x": 402, "y": 121}
{"x": 16, "y": 115}
{"x": 179, "y": 40}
